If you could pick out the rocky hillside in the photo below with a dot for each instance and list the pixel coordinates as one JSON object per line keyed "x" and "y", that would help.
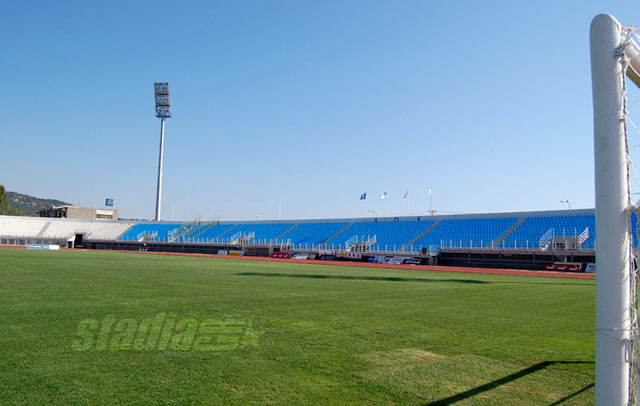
{"x": 29, "y": 205}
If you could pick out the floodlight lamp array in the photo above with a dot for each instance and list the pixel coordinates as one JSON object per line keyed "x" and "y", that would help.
{"x": 163, "y": 108}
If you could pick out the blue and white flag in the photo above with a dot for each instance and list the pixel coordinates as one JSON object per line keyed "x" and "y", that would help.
{"x": 383, "y": 196}
{"x": 363, "y": 196}
{"x": 108, "y": 202}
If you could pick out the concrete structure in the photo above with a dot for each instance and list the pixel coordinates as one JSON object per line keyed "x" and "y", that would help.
{"x": 76, "y": 212}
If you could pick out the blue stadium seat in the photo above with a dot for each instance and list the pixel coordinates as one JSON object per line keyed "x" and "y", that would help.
{"x": 312, "y": 234}
{"x": 154, "y": 232}
{"x": 391, "y": 235}
{"x": 408, "y": 235}
{"x": 528, "y": 234}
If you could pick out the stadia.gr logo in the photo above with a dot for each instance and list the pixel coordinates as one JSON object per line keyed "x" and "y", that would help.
{"x": 164, "y": 332}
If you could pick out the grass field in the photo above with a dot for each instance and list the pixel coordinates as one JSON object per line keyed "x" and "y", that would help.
{"x": 285, "y": 333}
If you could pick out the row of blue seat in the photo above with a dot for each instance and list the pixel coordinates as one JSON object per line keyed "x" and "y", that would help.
{"x": 467, "y": 232}
{"x": 528, "y": 234}
{"x": 414, "y": 235}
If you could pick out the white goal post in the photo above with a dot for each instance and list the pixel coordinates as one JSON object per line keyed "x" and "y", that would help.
{"x": 614, "y": 56}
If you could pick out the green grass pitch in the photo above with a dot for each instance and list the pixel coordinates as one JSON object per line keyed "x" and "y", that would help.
{"x": 256, "y": 332}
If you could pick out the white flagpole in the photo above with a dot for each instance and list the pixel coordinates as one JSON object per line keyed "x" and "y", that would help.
{"x": 386, "y": 203}
{"x": 407, "y": 195}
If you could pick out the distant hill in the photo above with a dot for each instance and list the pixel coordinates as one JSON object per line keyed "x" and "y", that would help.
{"x": 25, "y": 205}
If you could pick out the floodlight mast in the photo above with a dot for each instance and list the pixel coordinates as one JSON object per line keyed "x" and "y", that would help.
{"x": 163, "y": 112}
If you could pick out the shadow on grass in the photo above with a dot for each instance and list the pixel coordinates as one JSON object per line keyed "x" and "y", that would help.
{"x": 564, "y": 399}
{"x": 359, "y": 278}
{"x": 550, "y": 283}
{"x": 509, "y": 378}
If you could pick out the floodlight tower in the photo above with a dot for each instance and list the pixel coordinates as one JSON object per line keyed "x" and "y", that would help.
{"x": 163, "y": 112}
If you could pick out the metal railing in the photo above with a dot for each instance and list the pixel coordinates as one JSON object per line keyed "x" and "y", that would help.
{"x": 287, "y": 245}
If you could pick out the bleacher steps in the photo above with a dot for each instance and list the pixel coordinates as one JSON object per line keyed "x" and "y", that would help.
{"x": 338, "y": 233}
{"x": 509, "y": 231}
{"x": 186, "y": 230}
{"x": 285, "y": 233}
{"x": 193, "y": 233}
{"x": 203, "y": 229}
{"x": 422, "y": 234}
{"x": 124, "y": 232}
{"x": 44, "y": 230}
{"x": 360, "y": 245}
{"x": 226, "y": 232}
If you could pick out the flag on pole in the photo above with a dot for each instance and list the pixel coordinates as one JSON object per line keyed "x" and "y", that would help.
{"x": 108, "y": 202}
{"x": 363, "y": 196}
{"x": 383, "y": 196}
{"x": 406, "y": 193}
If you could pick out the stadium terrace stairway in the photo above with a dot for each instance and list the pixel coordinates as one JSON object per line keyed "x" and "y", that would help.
{"x": 533, "y": 228}
{"x": 194, "y": 232}
{"x": 509, "y": 231}
{"x": 262, "y": 233}
{"x": 177, "y": 234}
{"x": 409, "y": 245}
{"x": 389, "y": 235}
{"x": 119, "y": 236}
{"x": 338, "y": 233}
{"x": 44, "y": 230}
{"x": 466, "y": 232}
{"x": 209, "y": 232}
{"x": 279, "y": 238}
{"x": 312, "y": 234}
{"x": 152, "y": 232}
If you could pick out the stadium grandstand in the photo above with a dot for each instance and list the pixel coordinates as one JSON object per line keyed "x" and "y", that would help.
{"x": 523, "y": 240}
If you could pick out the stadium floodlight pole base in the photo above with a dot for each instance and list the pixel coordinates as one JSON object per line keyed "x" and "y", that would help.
{"x": 612, "y": 214}
{"x": 159, "y": 190}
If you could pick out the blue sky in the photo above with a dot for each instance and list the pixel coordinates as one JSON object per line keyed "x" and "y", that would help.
{"x": 293, "y": 109}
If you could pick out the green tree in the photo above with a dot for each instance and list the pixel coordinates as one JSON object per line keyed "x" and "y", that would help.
{"x": 4, "y": 201}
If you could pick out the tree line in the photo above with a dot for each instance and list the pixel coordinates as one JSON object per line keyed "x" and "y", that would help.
{"x": 4, "y": 201}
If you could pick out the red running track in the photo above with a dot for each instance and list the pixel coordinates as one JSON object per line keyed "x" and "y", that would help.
{"x": 489, "y": 271}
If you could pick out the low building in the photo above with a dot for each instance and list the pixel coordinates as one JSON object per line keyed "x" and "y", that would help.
{"x": 76, "y": 212}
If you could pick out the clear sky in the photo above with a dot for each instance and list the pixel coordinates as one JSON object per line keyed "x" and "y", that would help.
{"x": 293, "y": 109}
